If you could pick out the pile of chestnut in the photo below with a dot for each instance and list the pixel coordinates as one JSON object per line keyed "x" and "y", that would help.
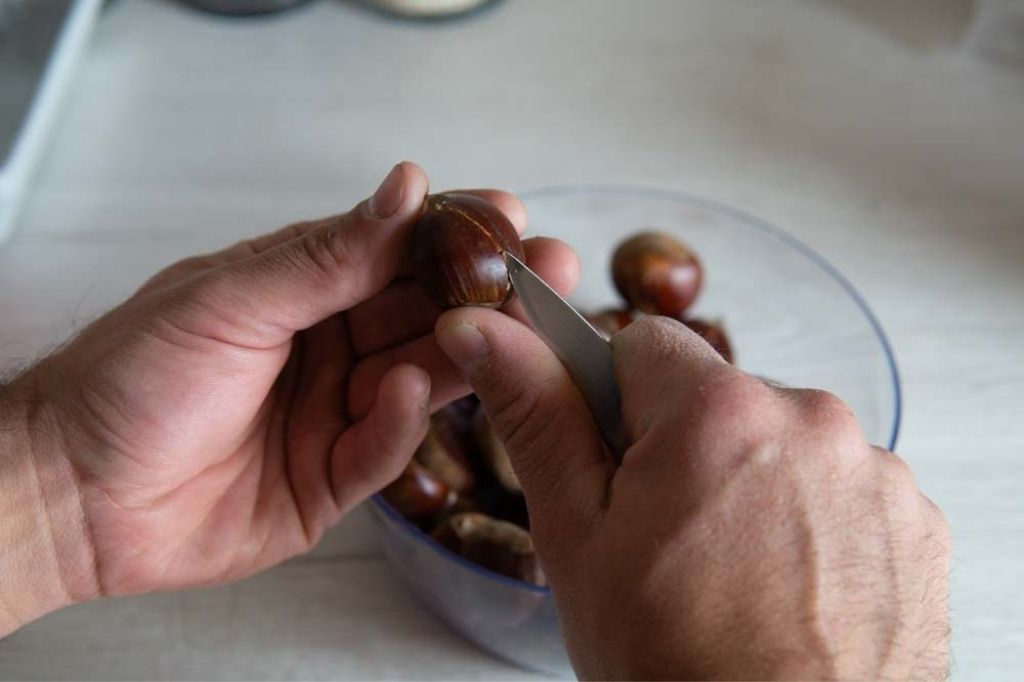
{"x": 460, "y": 487}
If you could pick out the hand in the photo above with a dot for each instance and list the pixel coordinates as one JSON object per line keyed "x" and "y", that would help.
{"x": 239, "y": 403}
{"x": 749, "y": 533}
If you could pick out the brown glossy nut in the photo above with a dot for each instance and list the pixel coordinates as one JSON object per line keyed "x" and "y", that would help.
{"x": 714, "y": 334}
{"x": 445, "y": 459}
{"x": 494, "y": 454}
{"x": 417, "y": 493}
{"x": 459, "y": 245}
{"x": 610, "y": 321}
{"x": 455, "y": 527}
{"x": 656, "y": 273}
{"x": 498, "y": 545}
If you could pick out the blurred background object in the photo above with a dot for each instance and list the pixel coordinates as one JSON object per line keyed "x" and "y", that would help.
{"x": 427, "y": 9}
{"x": 245, "y": 7}
{"x": 414, "y": 9}
{"x": 997, "y": 32}
{"x": 40, "y": 43}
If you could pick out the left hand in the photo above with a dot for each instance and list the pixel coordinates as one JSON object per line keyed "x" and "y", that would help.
{"x": 241, "y": 402}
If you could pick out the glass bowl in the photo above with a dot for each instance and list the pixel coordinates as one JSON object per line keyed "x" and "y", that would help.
{"x": 791, "y": 317}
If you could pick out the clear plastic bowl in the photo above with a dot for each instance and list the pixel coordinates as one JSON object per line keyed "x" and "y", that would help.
{"x": 791, "y": 317}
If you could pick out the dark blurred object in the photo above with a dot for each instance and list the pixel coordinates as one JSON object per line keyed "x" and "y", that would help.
{"x": 40, "y": 45}
{"x": 244, "y": 7}
{"x": 28, "y": 33}
{"x": 610, "y": 321}
{"x": 997, "y": 31}
{"x": 426, "y": 9}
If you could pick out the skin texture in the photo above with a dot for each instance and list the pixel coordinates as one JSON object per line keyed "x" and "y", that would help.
{"x": 230, "y": 411}
{"x": 750, "y": 532}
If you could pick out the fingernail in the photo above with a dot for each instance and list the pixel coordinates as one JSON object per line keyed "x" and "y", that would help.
{"x": 464, "y": 345}
{"x": 388, "y": 197}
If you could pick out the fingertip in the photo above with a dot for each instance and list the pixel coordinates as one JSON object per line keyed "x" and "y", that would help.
{"x": 415, "y": 184}
{"x": 463, "y": 343}
{"x": 407, "y": 383}
{"x": 555, "y": 261}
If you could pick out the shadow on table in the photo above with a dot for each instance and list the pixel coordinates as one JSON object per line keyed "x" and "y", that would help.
{"x": 314, "y": 618}
{"x": 903, "y": 20}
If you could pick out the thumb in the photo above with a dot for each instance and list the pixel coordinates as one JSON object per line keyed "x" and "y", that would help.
{"x": 264, "y": 299}
{"x": 537, "y": 412}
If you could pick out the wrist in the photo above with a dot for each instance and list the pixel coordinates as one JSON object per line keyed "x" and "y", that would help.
{"x": 45, "y": 559}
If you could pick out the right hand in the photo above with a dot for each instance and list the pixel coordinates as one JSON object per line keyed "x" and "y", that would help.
{"x": 750, "y": 531}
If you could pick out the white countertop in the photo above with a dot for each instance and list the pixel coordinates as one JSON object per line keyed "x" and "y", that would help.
{"x": 858, "y": 125}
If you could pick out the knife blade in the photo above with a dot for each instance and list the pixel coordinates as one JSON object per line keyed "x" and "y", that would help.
{"x": 584, "y": 353}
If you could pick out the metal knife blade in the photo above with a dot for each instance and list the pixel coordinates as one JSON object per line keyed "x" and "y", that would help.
{"x": 580, "y": 348}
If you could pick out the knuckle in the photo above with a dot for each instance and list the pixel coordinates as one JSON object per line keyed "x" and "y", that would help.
{"x": 826, "y": 412}
{"x": 940, "y": 530}
{"x": 898, "y": 477}
{"x": 327, "y": 248}
{"x": 208, "y": 290}
{"x": 899, "y": 469}
{"x": 179, "y": 272}
{"x": 658, "y": 336}
{"x": 736, "y": 403}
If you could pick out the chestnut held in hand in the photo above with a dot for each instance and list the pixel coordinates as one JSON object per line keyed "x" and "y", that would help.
{"x": 656, "y": 273}
{"x": 459, "y": 246}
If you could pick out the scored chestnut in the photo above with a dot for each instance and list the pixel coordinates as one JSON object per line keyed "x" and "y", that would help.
{"x": 656, "y": 273}
{"x": 459, "y": 246}
{"x": 714, "y": 334}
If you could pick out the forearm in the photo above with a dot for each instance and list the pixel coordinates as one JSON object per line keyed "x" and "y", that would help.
{"x": 44, "y": 563}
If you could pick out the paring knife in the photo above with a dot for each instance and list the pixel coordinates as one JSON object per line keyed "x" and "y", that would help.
{"x": 581, "y": 349}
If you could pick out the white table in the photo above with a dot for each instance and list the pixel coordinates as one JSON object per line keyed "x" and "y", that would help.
{"x": 857, "y": 125}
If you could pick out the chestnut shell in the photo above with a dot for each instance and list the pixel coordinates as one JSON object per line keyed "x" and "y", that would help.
{"x": 459, "y": 246}
{"x": 498, "y": 545}
{"x": 610, "y": 321}
{"x": 656, "y": 273}
{"x": 417, "y": 492}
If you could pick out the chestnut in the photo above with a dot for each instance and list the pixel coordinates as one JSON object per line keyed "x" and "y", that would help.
{"x": 501, "y": 546}
{"x": 417, "y": 492}
{"x": 493, "y": 453}
{"x": 656, "y": 273}
{"x": 610, "y": 321}
{"x": 714, "y": 334}
{"x": 450, "y": 532}
{"x": 459, "y": 246}
{"x": 443, "y": 456}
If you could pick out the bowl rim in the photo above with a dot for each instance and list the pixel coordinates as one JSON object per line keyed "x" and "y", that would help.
{"x": 716, "y": 206}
